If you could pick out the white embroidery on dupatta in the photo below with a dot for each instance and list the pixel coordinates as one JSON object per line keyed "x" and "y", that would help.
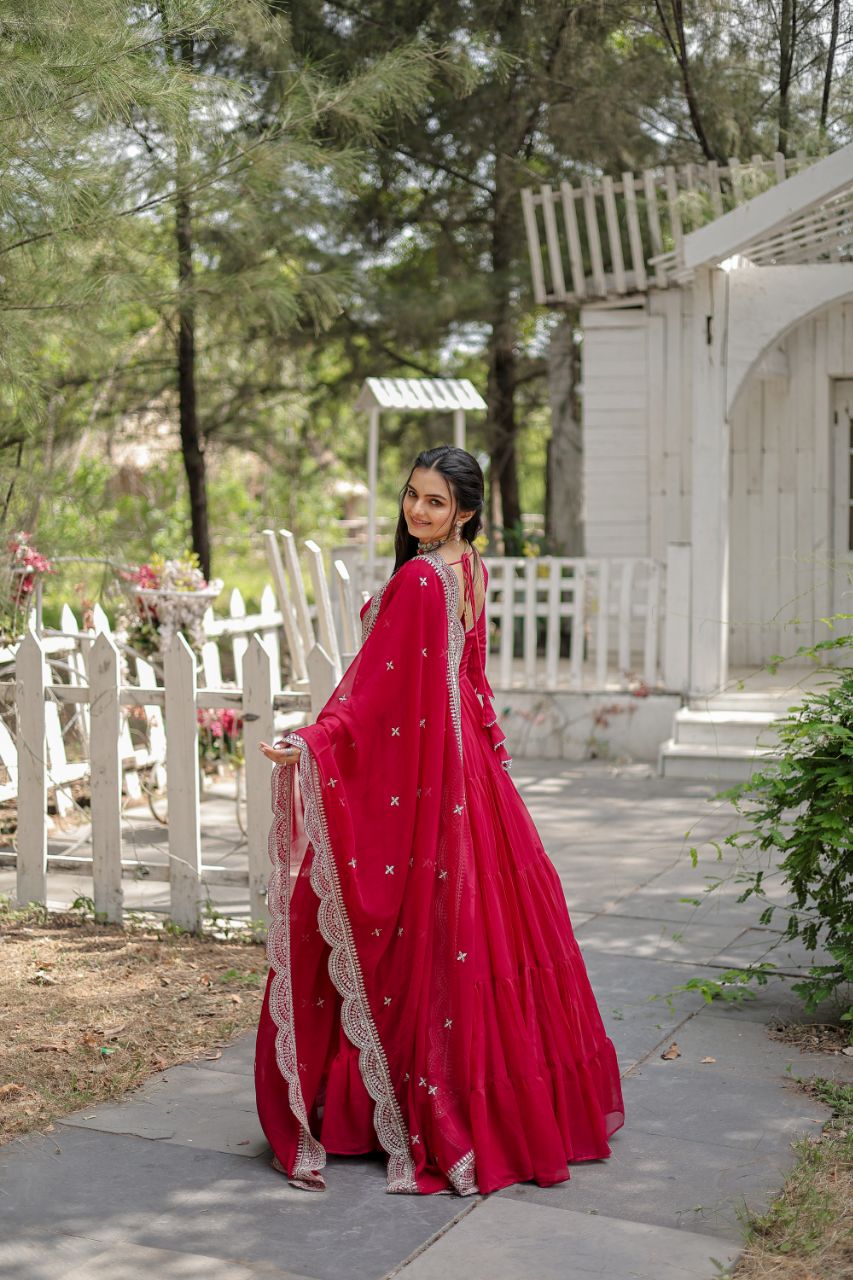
{"x": 310, "y": 1154}
{"x": 345, "y": 972}
{"x": 455, "y": 635}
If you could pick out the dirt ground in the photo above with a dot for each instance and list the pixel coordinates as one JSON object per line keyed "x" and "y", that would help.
{"x": 88, "y": 1011}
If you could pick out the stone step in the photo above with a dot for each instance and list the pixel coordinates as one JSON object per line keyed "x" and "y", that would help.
{"x": 710, "y": 763}
{"x": 723, "y": 729}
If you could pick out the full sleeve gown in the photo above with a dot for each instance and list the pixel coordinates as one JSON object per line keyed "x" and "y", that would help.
{"x": 426, "y": 996}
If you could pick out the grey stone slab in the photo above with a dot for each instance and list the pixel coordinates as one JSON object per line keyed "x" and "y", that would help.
{"x": 761, "y": 944}
{"x": 41, "y": 1255}
{"x": 624, "y": 988}
{"x": 202, "y": 1126}
{"x": 652, "y": 939}
{"x": 667, "y": 1181}
{"x": 702, "y": 1105}
{"x": 237, "y": 1058}
{"x": 185, "y": 1105}
{"x": 744, "y": 1047}
{"x": 112, "y": 1188}
{"x": 138, "y": 1262}
{"x": 503, "y": 1239}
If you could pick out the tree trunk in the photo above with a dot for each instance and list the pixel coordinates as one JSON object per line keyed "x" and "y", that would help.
{"x": 830, "y": 66}
{"x": 787, "y": 40}
{"x": 192, "y": 446}
{"x": 502, "y": 427}
{"x": 563, "y": 485}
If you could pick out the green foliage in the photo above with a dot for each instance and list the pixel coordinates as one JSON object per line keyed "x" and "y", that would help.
{"x": 797, "y": 835}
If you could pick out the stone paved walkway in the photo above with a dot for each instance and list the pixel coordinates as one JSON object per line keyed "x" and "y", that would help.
{"x": 174, "y": 1183}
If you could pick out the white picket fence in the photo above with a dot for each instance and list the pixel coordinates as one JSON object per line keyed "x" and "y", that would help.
{"x": 562, "y": 622}
{"x": 559, "y": 622}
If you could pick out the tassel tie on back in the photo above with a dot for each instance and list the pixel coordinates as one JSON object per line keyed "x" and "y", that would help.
{"x": 489, "y": 717}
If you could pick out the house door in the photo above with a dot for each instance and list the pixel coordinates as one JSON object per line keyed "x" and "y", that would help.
{"x": 842, "y": 501}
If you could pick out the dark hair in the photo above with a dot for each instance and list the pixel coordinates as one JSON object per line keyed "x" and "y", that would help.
{"x": 464, "y": 477}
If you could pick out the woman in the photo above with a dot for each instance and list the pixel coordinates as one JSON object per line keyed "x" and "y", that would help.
{"x": 426, "y": 995}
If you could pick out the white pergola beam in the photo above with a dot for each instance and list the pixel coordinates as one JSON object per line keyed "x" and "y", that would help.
{"x": 765, "y": 213}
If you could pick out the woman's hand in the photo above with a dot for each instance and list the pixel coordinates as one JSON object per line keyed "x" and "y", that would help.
{"x": 280, "y": 755}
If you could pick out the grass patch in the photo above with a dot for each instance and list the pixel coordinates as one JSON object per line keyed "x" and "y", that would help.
{"x": 807, "y": 1233}
{"x": 90, "y": 1010}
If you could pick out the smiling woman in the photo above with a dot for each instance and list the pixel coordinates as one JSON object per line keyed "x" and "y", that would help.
{"x": 426, "y": 996}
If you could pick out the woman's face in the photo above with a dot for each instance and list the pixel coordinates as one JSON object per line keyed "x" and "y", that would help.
{"x": 428, "y": 505}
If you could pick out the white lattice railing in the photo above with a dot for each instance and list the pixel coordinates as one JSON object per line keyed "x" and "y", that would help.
{"x": 609, "y": 237}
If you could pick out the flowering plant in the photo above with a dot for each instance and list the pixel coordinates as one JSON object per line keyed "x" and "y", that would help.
{"x": 168, "y": 596}
{"x": 219, "y": 736}
{"x": 22, "y": 566}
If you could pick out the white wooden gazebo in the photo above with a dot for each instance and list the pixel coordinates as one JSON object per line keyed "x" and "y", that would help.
{"x": 717, "y": 311}
{"x": 421, "y": 395}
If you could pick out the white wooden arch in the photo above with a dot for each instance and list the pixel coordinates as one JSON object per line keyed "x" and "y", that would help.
{"x": 767, "y": 303}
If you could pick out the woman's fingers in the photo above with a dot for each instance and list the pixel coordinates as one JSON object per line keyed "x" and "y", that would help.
{"x": 280, "y": 755}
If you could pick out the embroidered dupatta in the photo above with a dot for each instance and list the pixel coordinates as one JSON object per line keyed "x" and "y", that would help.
{"x": 374, "y": 818}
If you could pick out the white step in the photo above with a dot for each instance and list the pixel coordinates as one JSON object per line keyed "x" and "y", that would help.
{"x": 710, "y": 763}
{"x": 774, "y": 703}
{"x": 723, "y": 729}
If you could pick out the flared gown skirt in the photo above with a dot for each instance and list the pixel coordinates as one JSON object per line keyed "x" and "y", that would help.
{"x": 545, "y": 1080}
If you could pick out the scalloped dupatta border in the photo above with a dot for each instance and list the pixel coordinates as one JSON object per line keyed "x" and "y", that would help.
{"x": 344, "y": 967}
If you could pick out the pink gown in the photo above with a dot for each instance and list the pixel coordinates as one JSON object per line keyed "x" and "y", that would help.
{"x": 543, "y": 1086}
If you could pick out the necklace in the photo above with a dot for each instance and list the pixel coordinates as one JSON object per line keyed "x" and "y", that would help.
{"x": 437, "y": 542}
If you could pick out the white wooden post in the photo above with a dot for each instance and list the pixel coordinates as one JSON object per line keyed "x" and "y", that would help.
{"x": 507, "y": 622}
{"x": 146, "y": 678}
{"x": 350, "y": 619}
{"x": 211, "y": 659}
{"x": 183, "y": 788}
{"x": 459, "y": 426}
{"x": 30, "y": 680}
{"x": 105, "y": 720}
{"x": 259, "y": 685}
{"x": 297, "y": 588}
{"x": 710, "y": 485}
{"x": 9, "y": 757}
{"x": 652, "y": 629}
{"x": 552, "y": 624}
{"x": 323, "y": 604}
{"x": 239, "y": 643}
{"x": 132, "y": 784}
{"x": 321, "y": 673}
{"x": 269, "y": 631}
{"x": 578, "y": 624}
{"x": 282, "y": 591}
{"x": 531, "y": 590}
{"x": 677, "y": 606}
{"x": 76, "y": 668}
{"x": 372, "y": 470}
{"x": 626, "y": 585}
{"x": 603, "y": 627}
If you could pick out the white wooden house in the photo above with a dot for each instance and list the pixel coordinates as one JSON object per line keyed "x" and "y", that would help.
{"x": 717, "y": 388}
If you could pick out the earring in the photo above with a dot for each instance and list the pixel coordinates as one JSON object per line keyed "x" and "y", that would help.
{"x": 458, "y": 530}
